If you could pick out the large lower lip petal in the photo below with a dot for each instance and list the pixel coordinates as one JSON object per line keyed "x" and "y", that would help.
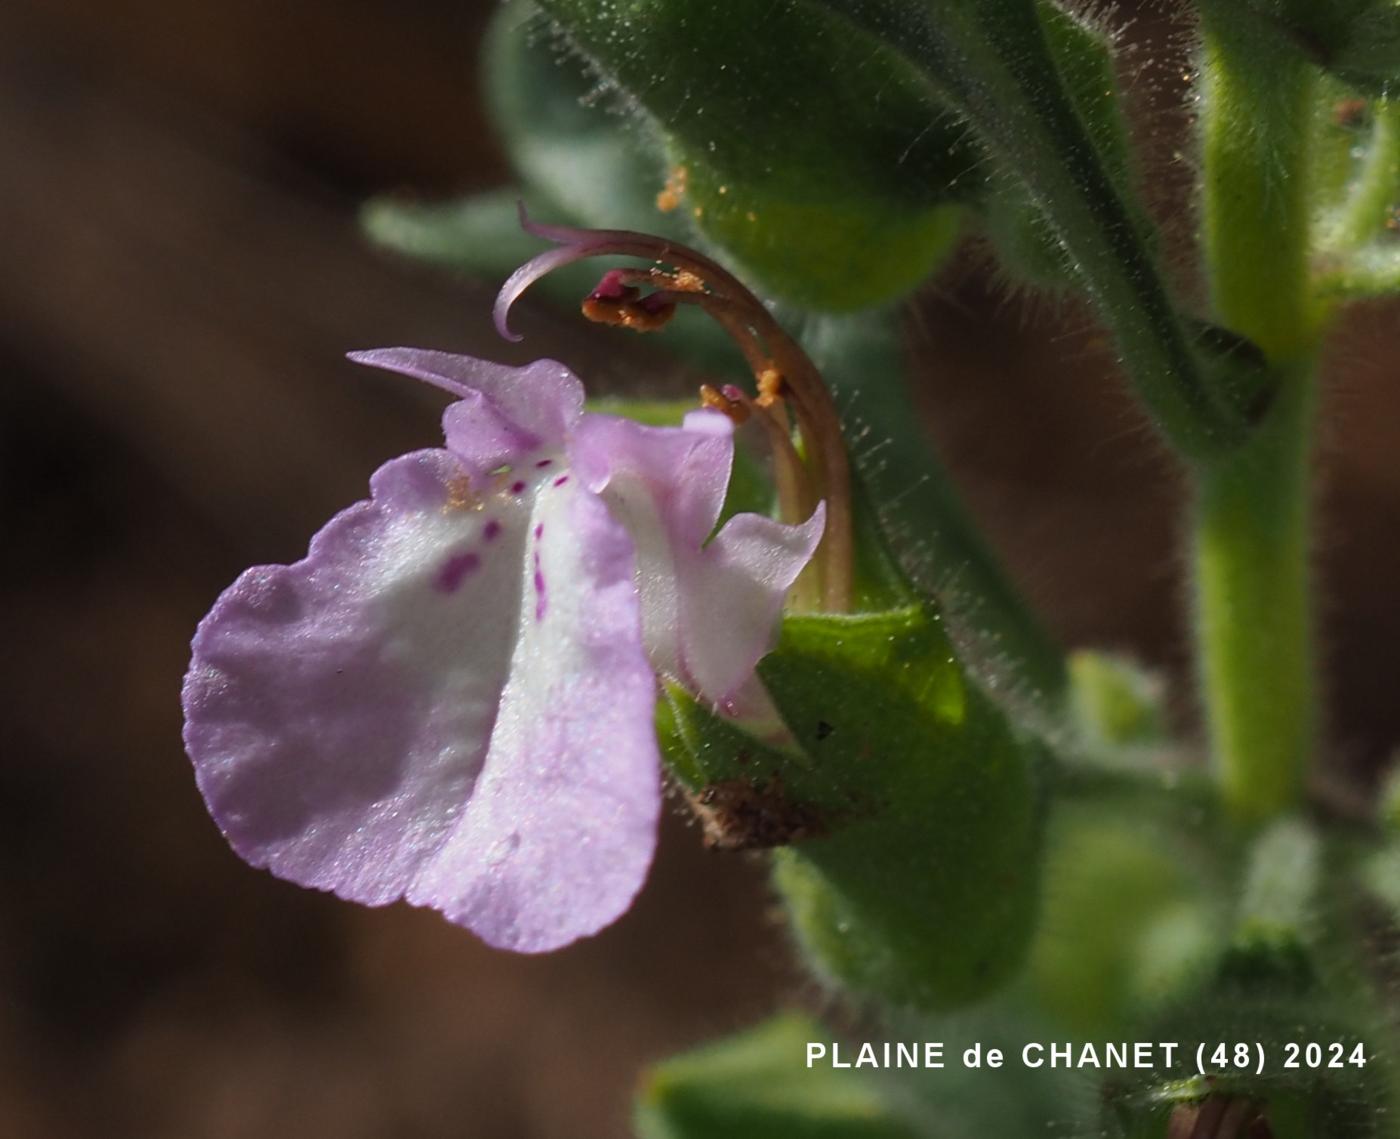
{"x": 447, "y": 700}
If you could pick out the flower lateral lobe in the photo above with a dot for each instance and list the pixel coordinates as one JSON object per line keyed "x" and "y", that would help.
{"x": 710, "y": 606}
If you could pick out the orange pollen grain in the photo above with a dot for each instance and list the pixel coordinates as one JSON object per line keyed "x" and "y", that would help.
{"x": 627, "y": 315}
{"x": 712, "y": 397}
{"x": 771, "y": 386}
{"x": 460, "y": 496}
{"x": 674, "y": 190}
{"x": 684, "y": 281}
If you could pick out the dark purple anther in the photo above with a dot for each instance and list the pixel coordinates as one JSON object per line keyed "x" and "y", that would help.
{"x": 653, "y": 304}
{"x": 612, "y": 288}
{"x": 455, "y": 570}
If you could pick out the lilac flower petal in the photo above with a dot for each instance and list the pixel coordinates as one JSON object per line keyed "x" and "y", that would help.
{"x": 683, "y": 471}
{"x": 733, "y": 596}
{"x": 666, "y": 486}
{"x": 502, "y": 412}
{"x": 389, "y": 718}
{"x": 708, "y": 421}
{"x": 709, "y": 610}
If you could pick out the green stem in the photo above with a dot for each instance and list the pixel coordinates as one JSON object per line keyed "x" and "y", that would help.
{"x": 1254, "y": 622}
{"x": 1256, "y": 129}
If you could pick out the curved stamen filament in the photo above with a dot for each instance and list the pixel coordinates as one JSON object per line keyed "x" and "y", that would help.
{"x": 784, "y": 373}
{"x": 766, "y": 347}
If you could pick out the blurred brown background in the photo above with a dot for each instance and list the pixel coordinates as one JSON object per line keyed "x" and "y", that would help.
{"x": 180, "y": 275}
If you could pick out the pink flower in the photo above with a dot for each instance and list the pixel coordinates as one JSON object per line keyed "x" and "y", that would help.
{"x": 450, "y": 699}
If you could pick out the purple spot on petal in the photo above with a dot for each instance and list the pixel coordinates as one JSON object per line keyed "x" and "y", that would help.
{"x": 455, "y": 570}
{"x": 492, "y": 530}
{"x": 539, "y": 589}
{"x": 544, "y": 463}
{"x": 539, "y": 531}
{"x": 561, "y": 480}
{"x": 517, "y": 486}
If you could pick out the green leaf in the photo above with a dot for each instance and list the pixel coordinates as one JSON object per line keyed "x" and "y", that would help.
{"x": 477, "y": 234}
{"x": 925, "y": 891}
{"x": 907, "y": 813}
{"x": 1356, "y": 41}
{"x": 1024, "y": 236}
{"x": 757, "y": 1086}
{"x": 581, "y": 159}
{"x": 992, "y": 61}
{"x": 817, "y": 157}
{"x": 576, "y": 162}
{"x": 1281, "y": 886}
{"x": 1127, "y": 919}
{"x": 1367, "y": 51}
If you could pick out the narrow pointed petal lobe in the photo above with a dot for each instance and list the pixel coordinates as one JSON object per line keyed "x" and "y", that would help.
{"x": 734, "y": 597}
{"x": 502, "y": 413}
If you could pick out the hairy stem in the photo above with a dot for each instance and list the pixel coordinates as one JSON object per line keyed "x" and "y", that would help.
{"x": 1256, "y": 123}
{"x": 1253, "y": 618}
{"x": 1254, "y": 621}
